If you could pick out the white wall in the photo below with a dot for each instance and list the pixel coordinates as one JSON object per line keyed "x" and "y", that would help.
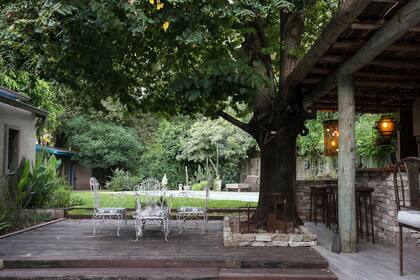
{"x": 416, "y": 119}
{"x": 25, "y": 122}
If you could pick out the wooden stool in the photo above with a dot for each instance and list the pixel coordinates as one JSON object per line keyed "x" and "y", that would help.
{"x": 332, "y": 209}
{"x": 318, "y": 199}
{"x": 363, "y": 196}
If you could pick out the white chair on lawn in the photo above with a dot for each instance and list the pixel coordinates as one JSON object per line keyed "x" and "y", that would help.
{"x": 153, "y": 207}
{"x": 193, "y": 212}
{"x": 103, "y": 214}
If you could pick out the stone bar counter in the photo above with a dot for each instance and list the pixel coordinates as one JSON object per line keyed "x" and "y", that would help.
{"x": 383, "y": 199}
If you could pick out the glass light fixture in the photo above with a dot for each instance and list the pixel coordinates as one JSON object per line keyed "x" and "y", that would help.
{"x": 386, "y": 129}
{"x": 331, "y": 138}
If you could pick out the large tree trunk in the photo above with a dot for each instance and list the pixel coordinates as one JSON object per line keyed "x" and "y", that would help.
{"x": 278, "y": 175}
{"x": 278, "y": 114}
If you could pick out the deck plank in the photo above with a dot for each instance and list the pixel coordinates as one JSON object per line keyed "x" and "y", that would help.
{"x": 70, "y": 244}
{"x": 371, "y": 262}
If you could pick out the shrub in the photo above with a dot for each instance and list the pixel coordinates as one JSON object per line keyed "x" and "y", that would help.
{"x": 76, "y": 200}
{"x": 44, "y": 180}
{"x": 4, "y": 222}
{"x": 199, "y": 186}
{"x": 123, "y": 181}
{"x": 60, "y": 197}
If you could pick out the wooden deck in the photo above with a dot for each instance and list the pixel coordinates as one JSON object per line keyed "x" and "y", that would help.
{"x": 68, "y": 248}
{"x": 371, "y": 262}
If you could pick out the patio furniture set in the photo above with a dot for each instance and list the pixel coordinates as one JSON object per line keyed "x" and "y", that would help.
{"x": 153, "y": 206}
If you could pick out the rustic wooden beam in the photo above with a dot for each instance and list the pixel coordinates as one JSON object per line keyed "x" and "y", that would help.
{"x": 374, "y": 25}
{"x": 413, "y": 64}
{"x": 389, "y": 1}
{"x": 359, "y": 108}
{"x": 382, "y": 62}
{"x": 396, "y": 63}
{"x": 388, "y": 75}
{"x": 374, "y": 84}
{"x": 346, "y": 165}
{"x": 404, "y": 19}
{"x": 321, "y": 70}
{"x": 399, "y": 46}
{"x": 349, "y": 10}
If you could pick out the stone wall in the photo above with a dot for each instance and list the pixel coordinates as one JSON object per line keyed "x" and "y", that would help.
{"x": 383, "y": 198}
{"x": 384, "y": 213}
{"x": 303, "y": 191}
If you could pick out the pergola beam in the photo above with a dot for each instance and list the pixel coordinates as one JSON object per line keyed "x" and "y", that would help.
{"x": 374, "y": 25}
{"x": 381, "y": 62}
{"x": 407, "y": 17}
{"x": 374, "y": 84}
{"x": 400, "y": 46}
{"x": 347, "y": 13}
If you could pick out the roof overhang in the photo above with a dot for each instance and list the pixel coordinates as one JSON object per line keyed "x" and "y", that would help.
{"x": 378, "y": 42}
{"x": 14, "y": 101}
{"x": 55, "y": 151}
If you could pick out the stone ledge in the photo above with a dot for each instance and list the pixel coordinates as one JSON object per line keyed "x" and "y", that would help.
{"x": 300, "y": 238}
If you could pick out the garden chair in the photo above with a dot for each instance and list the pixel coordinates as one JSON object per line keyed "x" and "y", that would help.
{"x": 152, "y": 207}
{"x": 408, "y": 208}
{"x": 103, "y": 214}
{"x": 186, "y": 213}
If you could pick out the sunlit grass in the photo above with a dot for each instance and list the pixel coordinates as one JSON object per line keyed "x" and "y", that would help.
{"x": 128, "y": 200}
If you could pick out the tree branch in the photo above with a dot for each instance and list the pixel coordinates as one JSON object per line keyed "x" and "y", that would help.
{"x": 244, "y": 126}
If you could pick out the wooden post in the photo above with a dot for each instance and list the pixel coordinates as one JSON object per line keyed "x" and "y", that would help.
{"x": 346, "y": 165}
{"x": 407, "y": 145}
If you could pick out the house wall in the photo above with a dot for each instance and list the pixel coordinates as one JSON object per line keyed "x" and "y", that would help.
{"x": 416, "y": 121}
{"x": 83, "y": 175}
{"x": 25, "y": 122}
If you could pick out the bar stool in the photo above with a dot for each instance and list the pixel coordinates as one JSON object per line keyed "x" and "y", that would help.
{"x": 332, "y": 209}
{"x": 363, "y": 207}
{"x": 318, "y": 200}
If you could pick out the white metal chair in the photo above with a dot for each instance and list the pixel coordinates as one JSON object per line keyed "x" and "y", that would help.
{"x": 103, "y": 214}
{"x": 194, "y": 213}
{"x": 153, "y": 207}
{"x": 408, "y": 208}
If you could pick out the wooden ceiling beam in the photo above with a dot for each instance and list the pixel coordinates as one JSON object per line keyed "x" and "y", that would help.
{"x": 374, "y": 25}
{"x": 399, "y": 46}
{"x": 376, "y": 75}
{"x": 321, "y": 70}
{"x": 404, "y": 19}
{"x": 396, "y": 63}
{"x": 359, "y": 108}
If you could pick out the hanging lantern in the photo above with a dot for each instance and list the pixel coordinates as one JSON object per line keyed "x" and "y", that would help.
{"x": 386, "y": 129}
{"x": 386, "y": 126}
{"x": 331, "y": 138}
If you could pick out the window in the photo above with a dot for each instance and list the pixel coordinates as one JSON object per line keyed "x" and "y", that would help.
{"x": 11, "y": 149}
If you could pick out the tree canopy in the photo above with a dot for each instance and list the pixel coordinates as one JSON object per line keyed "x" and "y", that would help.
{"x": 106, "y": 48}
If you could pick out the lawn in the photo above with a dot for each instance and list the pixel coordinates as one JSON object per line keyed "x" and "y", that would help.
{"x": 127, "y": 200}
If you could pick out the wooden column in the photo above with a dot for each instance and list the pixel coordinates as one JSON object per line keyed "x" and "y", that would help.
{"x": 346, "y": 166}
{"x": 407, "y": 145}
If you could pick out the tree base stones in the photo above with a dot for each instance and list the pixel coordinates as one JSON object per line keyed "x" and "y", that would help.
{"x": 301, "y": 237}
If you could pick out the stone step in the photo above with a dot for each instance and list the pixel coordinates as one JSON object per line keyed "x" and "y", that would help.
{"x": 275, "y": 274}
{"x": 198, "y": 273}
{"x": 270, "y": 262}
{"x": 204, "y": 273}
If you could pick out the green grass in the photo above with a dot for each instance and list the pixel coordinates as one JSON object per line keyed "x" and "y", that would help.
{"x": 128, "y": 201}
